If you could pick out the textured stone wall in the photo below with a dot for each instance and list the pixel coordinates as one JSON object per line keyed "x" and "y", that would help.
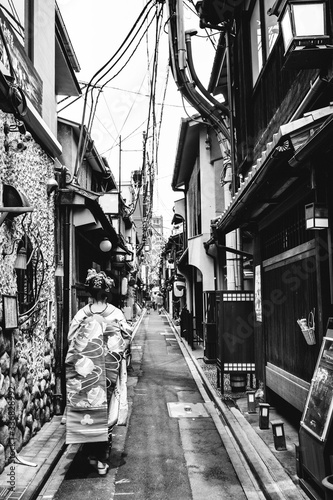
{"x": 26, "y": 401}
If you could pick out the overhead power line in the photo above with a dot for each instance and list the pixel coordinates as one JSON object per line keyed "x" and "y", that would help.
{"x": 81, "y": 145}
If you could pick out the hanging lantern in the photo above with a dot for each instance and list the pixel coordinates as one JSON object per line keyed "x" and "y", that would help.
{"x": 105, "y": 245}
{"x": 124, "y": 286}
{"x": 178, "y": 288}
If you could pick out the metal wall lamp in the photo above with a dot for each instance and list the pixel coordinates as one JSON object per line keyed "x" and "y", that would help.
{"x": 305, "y": 31}
{"x": 21, "y": 258}
{"x": 316, "y": 216}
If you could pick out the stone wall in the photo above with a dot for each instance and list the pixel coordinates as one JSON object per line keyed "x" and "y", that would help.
{"x": 26, "y": 398}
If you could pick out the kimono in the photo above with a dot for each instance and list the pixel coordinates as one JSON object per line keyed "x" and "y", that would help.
{"x": 96, "y": 372}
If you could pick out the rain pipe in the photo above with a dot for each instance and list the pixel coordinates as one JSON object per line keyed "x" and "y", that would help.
{"x": 178, "y": 50}
{"x": 233, "y": 238}
{"x": 66, "y": 292}
{"x": 199, "y": 102}
{"x": 215, "y": 102}
{"x": 233, "y": 272}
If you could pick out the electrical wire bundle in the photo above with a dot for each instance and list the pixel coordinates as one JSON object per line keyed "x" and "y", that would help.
{"x": 110, "y": 70}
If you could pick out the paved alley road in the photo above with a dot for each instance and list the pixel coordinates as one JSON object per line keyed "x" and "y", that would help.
{"x": 170, "y": 449}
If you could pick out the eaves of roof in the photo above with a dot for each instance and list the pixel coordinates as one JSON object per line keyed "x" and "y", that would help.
{"x": 316, "y": 120}
{"x": 94, "y": 159}
{"x": 187, "y": 150}
{"x": 66, "y": 61}
{"x": 70, "y": 196}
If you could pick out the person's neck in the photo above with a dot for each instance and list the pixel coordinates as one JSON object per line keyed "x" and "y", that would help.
{"x": 98, "y": 306}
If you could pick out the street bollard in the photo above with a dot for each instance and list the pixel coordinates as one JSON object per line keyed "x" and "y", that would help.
{"x": 278, "y": 434}
{"x": 263, "y": 415}
{"x": 251, "y": 403}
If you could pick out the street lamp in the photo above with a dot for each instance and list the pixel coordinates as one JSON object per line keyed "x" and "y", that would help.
{"x": 305, "y": 31}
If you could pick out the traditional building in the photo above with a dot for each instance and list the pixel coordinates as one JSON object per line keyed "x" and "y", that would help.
{"x": 37, "y": 64}
{"x": 274, "y": 67}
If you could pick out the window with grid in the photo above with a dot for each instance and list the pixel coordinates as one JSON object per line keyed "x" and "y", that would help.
{"x": 285, "y": 233}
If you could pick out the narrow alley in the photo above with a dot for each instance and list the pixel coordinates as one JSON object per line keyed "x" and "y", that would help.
{"x": 170, "y": 448}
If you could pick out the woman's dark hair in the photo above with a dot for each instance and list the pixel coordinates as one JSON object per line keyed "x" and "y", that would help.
{"x": 97, "y": 289}
{"x": 99, "y": 284}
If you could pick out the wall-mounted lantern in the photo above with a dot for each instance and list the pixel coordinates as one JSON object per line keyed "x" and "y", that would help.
{"x": 59, "y": 271}
{"x": 21, "y": 259}
{"x": 21, "y": 256}
{"x": 305, "y": 30}
{"x": 316, "y": 216}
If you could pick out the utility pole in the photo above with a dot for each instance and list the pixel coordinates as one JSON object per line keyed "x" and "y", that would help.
{"x": 119, "y": 173}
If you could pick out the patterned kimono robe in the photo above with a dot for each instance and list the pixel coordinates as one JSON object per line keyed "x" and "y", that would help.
{"x": 95, "y": 373}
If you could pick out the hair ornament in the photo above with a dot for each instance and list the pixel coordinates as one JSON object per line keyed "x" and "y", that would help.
{"x": 99, "y": 280}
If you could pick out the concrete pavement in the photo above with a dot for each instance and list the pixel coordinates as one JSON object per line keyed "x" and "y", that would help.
{"x": 275, "y": 471}
{"x": 262, "y": 471}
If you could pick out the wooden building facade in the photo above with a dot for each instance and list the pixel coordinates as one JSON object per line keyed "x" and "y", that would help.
{"x": 281, "y": 96}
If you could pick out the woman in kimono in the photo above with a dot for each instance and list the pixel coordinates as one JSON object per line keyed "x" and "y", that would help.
{"x": 96, "y": 372}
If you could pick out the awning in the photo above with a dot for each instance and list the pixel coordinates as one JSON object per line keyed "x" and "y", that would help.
{"x": 290, "y": 139}
{"x": 84, "y": 202}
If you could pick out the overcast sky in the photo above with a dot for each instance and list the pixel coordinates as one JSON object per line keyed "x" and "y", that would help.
{"x": 97, "y": 29}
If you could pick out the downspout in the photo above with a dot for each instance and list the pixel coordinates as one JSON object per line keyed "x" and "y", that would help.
{"x": 59, "y": 369}
{"x": 230, "y": 238}
{"x": 233, "y": 238}
{"x": 231, "y": 115}
{"x": 195, "y": 78}
{"x": 234, "y": 271}
{"x": 66, "y": 293}
{"x": 234, "y": 265}
{"x": 205, "y": 109}
{"x": 185, "y": 86}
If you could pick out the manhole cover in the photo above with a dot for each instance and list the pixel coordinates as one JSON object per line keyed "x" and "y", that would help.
{"x": 187, "y": 410}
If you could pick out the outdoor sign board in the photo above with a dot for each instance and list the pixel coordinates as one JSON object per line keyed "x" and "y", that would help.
{"x": 319, "y": 404}
{"x": 26, "y": 75}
